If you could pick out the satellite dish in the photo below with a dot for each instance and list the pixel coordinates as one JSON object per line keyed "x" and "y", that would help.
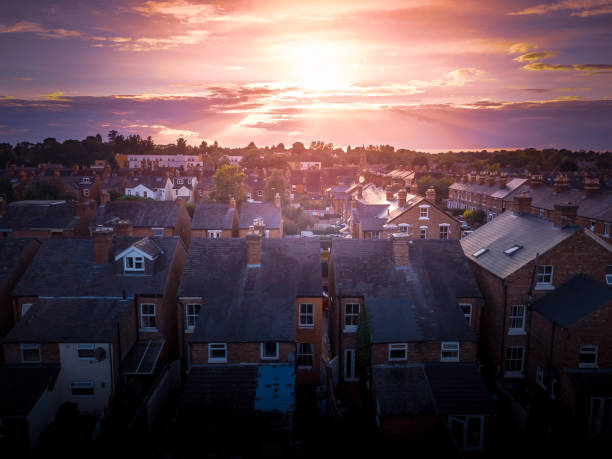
{"x": 100, "y": 354}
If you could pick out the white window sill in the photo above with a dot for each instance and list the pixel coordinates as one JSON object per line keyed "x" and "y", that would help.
{"x": 217, "y": 360}
{"x": 541, "y": 385}
{"x": 351, "y": 329}
{"x": 148, "y": 330}
{"x": 423, "y": 218}
{"x": 514, "y": 374}
{"x": 516, "y": 331}
{"x": 587, "y": 365}
{"x": 398, "y": 360}
{"x": 450, "y": 360}
{"x": 189, "y": 330}
{"x": 306, "y": 326}
{"x": 304, "y": 368}
{"x": 269, "y": 358}
{"x": 544, "y": 287}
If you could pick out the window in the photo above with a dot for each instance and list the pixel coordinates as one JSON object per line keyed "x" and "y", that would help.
{"x": 214, "y": 234}
{"x": 541, "y": 377}
{"x": 25, "y": 307}
{"x": 553, "y": 388}
{"x": 217, "y": 353}
{"x": 269, "y": 350}
{"x": 144, "y": 194}
{"x": 606, "y": 232}
{"x": 542, "y": 213}
{"x": 179, "y": 181}
{"x": 512, "y": 250}
{"x": 82, "y": 388}
{"x": 514, "y": 362}
{"x": 479, "y": 252}
{"x": 423, "y": 233}
{"x": 129, "y": 192}
{"x": 158, "y": 232}
{"x": 544, "y": 276}
{"x": 306, "y": 315}
{"x": 517, "y": 320}
{"x": 293, "y": 188}
{"x": 147, "y": 316}
{"x": 30, "y": 353}
{"x": 449, "y": 352}
{"x": 304, "y": 355}
{"x": 405, "y": 228}
{"x": 85, "y": 192}
{"x": 192, "y": 312}
{"x": 351, "y": 317}
{"x": 600, "y": 416}
{"x": 398, "y": 351}
{"x": 86, "y": 351}
{"x": 609, "y": 279}
{"x": 133, "y": 263}
{"x": 423, "y": 211}
{"x": 592, "y": 225}
{"x": 467, "y": 431}
{"x": 259, "y": 193}
{"x": 466, "y": 308}
{"x": 588, "y": 357}
{"x": 444, "y": 230}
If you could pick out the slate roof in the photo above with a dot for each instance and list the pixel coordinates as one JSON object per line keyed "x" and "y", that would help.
{"x": 69, "y": 321}
{"x": 250, "y": 304}
{"x": 22, "y": 386}
{"x": 150, "y": 181}
{"x": 369, "y": 216}
{"x": 148, "y": 246}
{"x": 66, "y": 268}
{"x": 418, "y": 302}
{"x": 11, "y": 252}
{"x": 536, "y": 236}
{"x": 39, "y": 214}
{"x": 213, "y": 215}
{"x": 268, "y": 211}
{"x": 431, "y": 389}
{"x": 573, "y": 301}
{"x": 494, "y": 191}
{"x": 148, "y": 213}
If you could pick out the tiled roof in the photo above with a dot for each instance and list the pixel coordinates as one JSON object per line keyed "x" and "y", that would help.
{"x": 573, "y": 301}
{"x": 403, "y": 390}
{"x": 39, "y": 214}
{"x": 268, "y": 211}
{"x": 250, "y": 304}
{"x": 66, "y": 268}
{"x": 150, "y": 181}
{"x": 147, "y": 213}
{"x": 213, "y": 215}
{"x": 22, "y": 386}
{"x": 69, "y": 321}
{"x": 418, "y": 302}
{"x": 371, "y": 216}
{"x": 533, "y": 234}
{"x": 11, "y": 252}
{"x": 494, "y": 191}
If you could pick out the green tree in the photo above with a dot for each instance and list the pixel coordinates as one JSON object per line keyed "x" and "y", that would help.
{"x": 228, "y": 183}
{"x": 364, "y": 343}
{"x": 275, "y": 184}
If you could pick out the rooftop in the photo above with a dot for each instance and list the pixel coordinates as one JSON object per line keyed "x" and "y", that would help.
{"x": 213, "y": 215}
{"x": 39, "y": 215}
{"x": 146, "y": 212}
{"x": 22, "y": 386}
{"x": 268, "y": 211}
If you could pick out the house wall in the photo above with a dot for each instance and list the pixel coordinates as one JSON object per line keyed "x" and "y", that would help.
{"x": 310, "y": 335}
{"x": 203, "y": 233}
{"x": 49, "y": 353}
{"x": 436, "y": 217}
{"x": 241, "y": 353}
{"x": 346, "y": 340}
{"x": 274, "y": 233}
{"x": 421, "y": 352}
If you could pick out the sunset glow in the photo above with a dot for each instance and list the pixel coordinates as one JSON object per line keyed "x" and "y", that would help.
{"x": 417, "y": 74}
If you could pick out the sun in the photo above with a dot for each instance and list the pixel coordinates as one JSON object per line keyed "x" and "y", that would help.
{"x": 317, "y": 65}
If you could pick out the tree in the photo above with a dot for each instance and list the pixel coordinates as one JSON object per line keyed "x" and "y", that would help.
{"x": 364, "y": 344}
{"x": 298, "y": 148}
{"x": 275, "y": 184}
{"x": 228, "y": 183}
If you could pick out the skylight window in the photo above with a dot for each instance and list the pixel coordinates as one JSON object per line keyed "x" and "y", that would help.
{"x": 479, "y": 252}
{"x": 512, "y": 250}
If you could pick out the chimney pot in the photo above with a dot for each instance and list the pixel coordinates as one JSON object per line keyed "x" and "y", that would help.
{"x": 124, "y": 228}
{"x": 502, "y": 182}
{"x": 389, "y": 193}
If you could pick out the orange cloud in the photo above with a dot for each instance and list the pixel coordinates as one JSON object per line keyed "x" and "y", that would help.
{"x": 582, "y": 8}
{"x": 589, "y": 68}
{"x": 533, "y": 56}
{"x": 521, "y": 48}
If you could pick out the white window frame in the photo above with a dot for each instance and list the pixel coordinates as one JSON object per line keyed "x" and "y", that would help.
{"x": 217, "y": 347}
{"x": 609, "y": 279}
{"x": 214, "y": 234}
{"x": 449, "y": 346}
{"x": 351, "y": 327}
{"x": 398, "y": 347}
{"x": 544, "y": 285}
{"x": 135, "y": 259}
{"x": 606, "y": 232}
{"x": 148, "y": 314}
{"x": 158, "y": 230}
{"x": 30, "y": 347}
{"x": 464, "y": 420}
{"x": 588, "y": 350}
{"x": 424, "y": 212}
{"x": 25, "y": 307}
{"x": 541, "y": 377}
{"x": 445, "y": 226}
{"x": 592, "y": 224}
{"x": 405, "y": 228}
{"x": 514, "y": 319}
{"x": 514, "y": 373}
{"x": 350, "y": 363}
{"x": 305, "y": 315}
{"x": 422, "y": 232}
{"x": 262, "y": 351}
{"x": 82, "y": 385}
{"x": 85, "y": 192}
{"x": 299, "y": 353}
{"x": 259, "y": 193}
{"x": 88, "y": 347}
{"x": 191, "y": 317}
{"x": 467, "y": 315}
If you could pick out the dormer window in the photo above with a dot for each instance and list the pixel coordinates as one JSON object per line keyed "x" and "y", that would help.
{"x": 133, "y": 263}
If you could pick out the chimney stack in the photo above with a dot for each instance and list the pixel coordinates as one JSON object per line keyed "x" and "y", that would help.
{"x": 481, "y": 179}
{"x": 522, "y": 204}
{"x": 535, "y": 180}
{"x": 591, "y": 185}
{"x": 401, "y": 197}
{"x": 389, "y": 193}
{"x": 491, "y": 181}
{"x": 472, "y": 178}
{"x": 401, "y": 251}
{"x": 253, "y": 241}
{"x": 502, "y": 181}
{"x": 124, "y": 228}
{"x": 565, "y": 213}
{"x": 360, "y": 192}
{"x": 102, "y": 244}
{"x": 277, "y": 200}
{"x": 353, "y": 203}
{"x": 232, "y": 203}
{"x": 430, "y": 195}
{"x": 560, "y": 183}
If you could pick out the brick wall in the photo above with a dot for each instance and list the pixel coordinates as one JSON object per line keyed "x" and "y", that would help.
{"x": 311, "y": 335}
{"x": 241, "y": 353}
{"x": 436, "y": 217}
{"x": 203, "y": 233}
{"x": 274, "y": 233}
{"x": 421, "y": 352}
{"x": 183, "y": 224}
{"x": 49, "y": 353}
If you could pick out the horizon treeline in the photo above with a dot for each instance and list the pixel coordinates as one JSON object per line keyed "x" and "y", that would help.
{"x": 84, "y": 152}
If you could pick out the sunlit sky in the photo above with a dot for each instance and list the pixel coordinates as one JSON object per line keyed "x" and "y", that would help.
{"x": 424, "y": 74}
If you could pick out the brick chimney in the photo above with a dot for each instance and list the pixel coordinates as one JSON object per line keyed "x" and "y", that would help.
{"x": 359, "y": 192}
{"x": 253, "y": 241}
{"x": 389, "y": 193}
{"x": 491, "y": 181}
{"x": 277, "y": 200}
{"x": 430, "y": 195}
{"x": 232, "y": 203}
{"x": 564, "y": 214}
{"x": 124, "y": 228}
{"x": 502, "y": 181}
{"x": 472, "y": 178}
{"x": 481, "y": 179}
{"x": 401, "y": 251}
{"x": 464, "y": 179}
{"x": 591, "y": 185}
{"x": 401, "y": 197}
{"x": 103, "y": 244}
{"x": 535, "y": 180}
{"x": 522, "y": 204}
{"x": 560, "y": 183}
{"x": 353, "y": 203}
